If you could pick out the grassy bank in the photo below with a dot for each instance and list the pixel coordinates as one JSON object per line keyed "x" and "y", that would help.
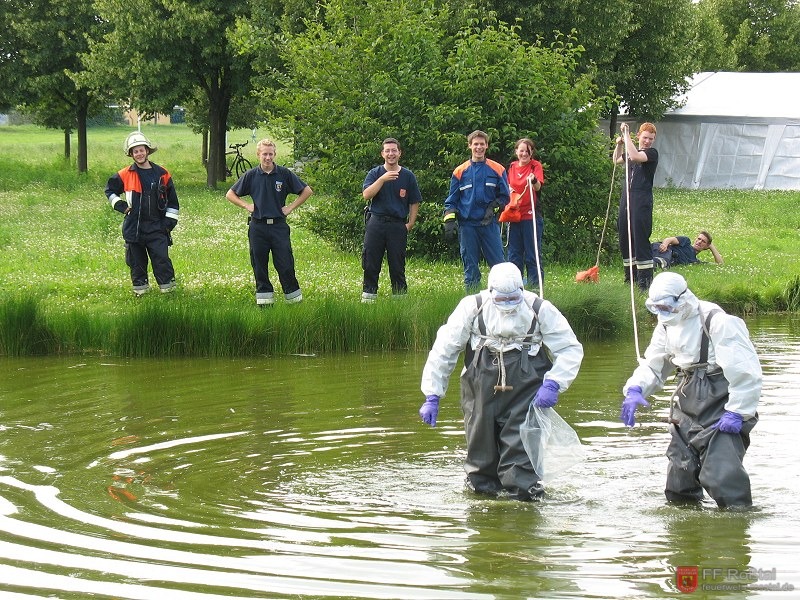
{"x": 64, "y": 286}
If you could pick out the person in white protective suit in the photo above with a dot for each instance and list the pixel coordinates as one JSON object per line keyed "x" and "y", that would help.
{"x": 713, "y": 408}
{"x": 519, "y": 349}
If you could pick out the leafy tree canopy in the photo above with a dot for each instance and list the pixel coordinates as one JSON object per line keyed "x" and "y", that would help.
{"x": 639, "y": 52}
{"x": 166, "y": 52}
{"x": 44, "y": 65}
{"x": 763, "y": 35}
{"x": 356, "y": 77}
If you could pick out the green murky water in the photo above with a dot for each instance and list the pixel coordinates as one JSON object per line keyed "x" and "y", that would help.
{"x": 311, "y": 476}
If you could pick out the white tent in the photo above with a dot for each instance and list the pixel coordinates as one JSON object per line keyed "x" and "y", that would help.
{"x": 735, "y": 130}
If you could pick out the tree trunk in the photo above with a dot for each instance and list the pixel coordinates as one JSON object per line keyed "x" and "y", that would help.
{"x": 67, "y": 144}
{"x": 212, "y": 166}
{"x": 83, "y": 161}
{"x": 612, "y": 122}
{"x": 204, "y": 149}
{"x": 219, "y": 101}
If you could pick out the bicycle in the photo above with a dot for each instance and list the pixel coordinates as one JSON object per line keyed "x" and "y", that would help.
{"x": 240, "y": 164}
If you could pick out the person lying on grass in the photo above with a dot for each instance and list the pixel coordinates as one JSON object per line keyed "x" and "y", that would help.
{"x": 680, "y": 250}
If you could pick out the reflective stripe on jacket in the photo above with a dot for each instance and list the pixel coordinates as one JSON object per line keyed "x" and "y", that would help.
{"x": 155, "y": 211}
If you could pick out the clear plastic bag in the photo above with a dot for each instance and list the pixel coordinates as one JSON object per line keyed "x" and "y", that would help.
{"x": 551, "y": 444}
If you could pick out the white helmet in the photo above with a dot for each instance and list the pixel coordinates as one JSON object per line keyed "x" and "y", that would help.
{"x": 505, "y": 277}
{"x": 137, "y": 138}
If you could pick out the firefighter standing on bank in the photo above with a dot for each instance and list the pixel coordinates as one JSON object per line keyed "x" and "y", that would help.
{"x": 145, "y": 194}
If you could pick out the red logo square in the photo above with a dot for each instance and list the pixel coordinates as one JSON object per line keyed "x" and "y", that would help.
{"x": 687, "y": 579}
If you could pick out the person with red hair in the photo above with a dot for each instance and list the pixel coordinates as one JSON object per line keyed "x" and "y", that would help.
{"x": 636, "y": 204}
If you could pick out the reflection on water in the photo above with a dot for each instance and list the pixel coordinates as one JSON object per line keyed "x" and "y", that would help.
{"x": 312, "y": 476}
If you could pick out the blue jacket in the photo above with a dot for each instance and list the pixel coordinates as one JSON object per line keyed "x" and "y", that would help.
{"x": 474, "y": 186}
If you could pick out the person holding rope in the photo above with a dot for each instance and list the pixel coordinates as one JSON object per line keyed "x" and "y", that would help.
{"x": 635, "y": 222}
{"x": 519, "y": 349}
{"x": 713, "y": 409}
{"x": 525, "y": 179}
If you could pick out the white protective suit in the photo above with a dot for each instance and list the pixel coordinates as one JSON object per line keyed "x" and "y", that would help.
{"x": 503, "y": 371}
{"x": 676, "y": 344}
{"x": 504, "y": 331}
{"x": 719, "y": 371}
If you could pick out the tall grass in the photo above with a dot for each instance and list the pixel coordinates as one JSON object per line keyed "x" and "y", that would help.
{"x": 178, "y": 325}
{"x": 23, "y": 330}
{"x": 64, "y": 286}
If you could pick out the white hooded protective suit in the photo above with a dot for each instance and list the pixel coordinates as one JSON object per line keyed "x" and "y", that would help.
{"x": 676, "y": 344}
{"x": 507, "y": 361}
{"x": 505, "y": 330}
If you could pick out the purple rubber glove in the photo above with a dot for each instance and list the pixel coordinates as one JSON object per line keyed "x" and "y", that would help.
{"x": 547, "y": 395}
{"x": 430, "y": 410}
{"x": 729, "y": 422}
{"x": 633, "y": 399}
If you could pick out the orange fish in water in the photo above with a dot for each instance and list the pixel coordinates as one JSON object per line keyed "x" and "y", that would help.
{"x": 128, "y": 439}
{"x": 118, "y": 494}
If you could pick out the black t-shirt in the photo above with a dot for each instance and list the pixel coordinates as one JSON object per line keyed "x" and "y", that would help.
{"x": 150, "y": 201}
{"x": 642, "y": 174}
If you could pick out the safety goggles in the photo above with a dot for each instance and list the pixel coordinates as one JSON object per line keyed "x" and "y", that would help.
{"x": 506, "y": 299}
{"x": 664, "y": 306}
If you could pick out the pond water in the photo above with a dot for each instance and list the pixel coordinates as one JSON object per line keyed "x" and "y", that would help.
{"x": 312, "y": 476}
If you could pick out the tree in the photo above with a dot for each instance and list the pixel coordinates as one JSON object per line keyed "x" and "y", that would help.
{"x": 714, "y": 52}
{"x": 49, "y": 39}
{"x": 656, "y": 57}
{"x": 10, "y": 74}
{"x": 358, "y": 76}
{"x": 763, "y": 34}
{"x": 163, "y": 52}
{"x": 640, "y": 52}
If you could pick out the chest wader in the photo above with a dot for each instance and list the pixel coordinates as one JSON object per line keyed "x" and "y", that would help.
{"x": 701, "y": 457}
{"x": 496, "y": 391}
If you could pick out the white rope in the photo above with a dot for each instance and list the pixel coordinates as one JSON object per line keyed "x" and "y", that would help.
{"x": 501, "y": 374}
{"x": 535, "y": 238}
{"x": 630, "y": 248}
{"x": 499, "y": 357}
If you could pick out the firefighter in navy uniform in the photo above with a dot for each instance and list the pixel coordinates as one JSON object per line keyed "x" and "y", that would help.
{"x": 145, "y": 194}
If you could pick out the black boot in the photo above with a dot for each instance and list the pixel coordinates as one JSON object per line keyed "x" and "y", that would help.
{"x": 644, "y": 277}
{"x": 627, "y": 271}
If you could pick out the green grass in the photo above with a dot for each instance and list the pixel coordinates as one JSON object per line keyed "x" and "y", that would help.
{"x": 64, "y": 286}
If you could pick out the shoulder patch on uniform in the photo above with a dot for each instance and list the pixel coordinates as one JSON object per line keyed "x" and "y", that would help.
{"x": 459, "y": 170}
{"x": 495, "y": 166}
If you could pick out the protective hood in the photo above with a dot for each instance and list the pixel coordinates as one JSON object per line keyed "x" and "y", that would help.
{"x": 505, "y": 286}
{"x": 670, "y": 298}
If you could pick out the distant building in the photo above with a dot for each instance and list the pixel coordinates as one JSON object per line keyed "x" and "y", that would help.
{"x": 132, "y": 118}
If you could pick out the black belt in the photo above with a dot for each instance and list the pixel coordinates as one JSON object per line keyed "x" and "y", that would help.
{"x": 269, "y": 221}
{"x": 388, "y": 218}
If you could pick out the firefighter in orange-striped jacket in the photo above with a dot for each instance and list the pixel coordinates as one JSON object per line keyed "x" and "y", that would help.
{"x": 145, "y": 194}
